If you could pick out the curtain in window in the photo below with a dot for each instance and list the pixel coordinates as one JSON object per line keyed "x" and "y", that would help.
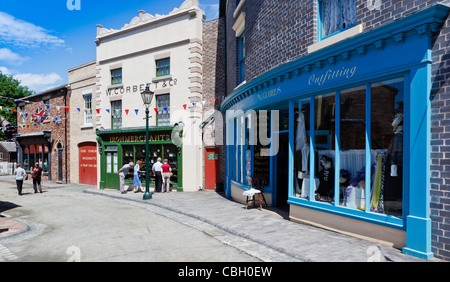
{"x": 348, "y": 13}
{"x": 337, "y": 15}
{"x": 330, "y": 17}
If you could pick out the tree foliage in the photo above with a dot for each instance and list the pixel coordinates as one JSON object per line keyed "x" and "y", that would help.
{"x": 10, "y": 88}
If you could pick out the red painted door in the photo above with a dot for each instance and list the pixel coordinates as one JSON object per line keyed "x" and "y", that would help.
{"x": 212, "y": 167}
{"x": 88, "y": 163}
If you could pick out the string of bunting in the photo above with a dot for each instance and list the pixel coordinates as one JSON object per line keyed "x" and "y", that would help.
{"x": 42, "y": 117}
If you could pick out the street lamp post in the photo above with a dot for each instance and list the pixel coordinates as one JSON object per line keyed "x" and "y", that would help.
{"x": 147, "y": 97}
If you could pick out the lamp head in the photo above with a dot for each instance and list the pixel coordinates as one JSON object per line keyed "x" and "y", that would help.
{"x": 147, "y": 96}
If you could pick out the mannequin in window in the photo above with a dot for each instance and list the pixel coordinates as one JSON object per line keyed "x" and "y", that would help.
{"x": 393, "y": 177}
{"x": 326, "y": 179}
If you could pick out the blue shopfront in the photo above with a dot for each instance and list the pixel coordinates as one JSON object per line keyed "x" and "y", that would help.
{"x": 342, "y": 135}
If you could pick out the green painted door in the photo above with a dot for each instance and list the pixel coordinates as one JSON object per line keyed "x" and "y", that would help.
{"x": 112, "y": 168}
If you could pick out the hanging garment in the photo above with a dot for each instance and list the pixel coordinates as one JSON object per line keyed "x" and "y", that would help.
{"x": 376, "y": 184}
{"x": 301, "y": 132}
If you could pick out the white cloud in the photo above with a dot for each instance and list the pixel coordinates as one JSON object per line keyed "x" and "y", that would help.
{"x": 21, "y": 33}
{"x": 8, "y": 56}
{"x": 35, "y": 81}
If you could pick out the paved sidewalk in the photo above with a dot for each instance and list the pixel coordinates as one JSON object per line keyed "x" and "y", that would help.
{"x": 297, "y": 242}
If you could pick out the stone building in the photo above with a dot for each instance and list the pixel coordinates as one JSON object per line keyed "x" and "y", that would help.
{"x": 43, "y": 133}
{"x": 83, "y": 162}
{"x": 167, "y": 54}
{"x": 357, "y": 94}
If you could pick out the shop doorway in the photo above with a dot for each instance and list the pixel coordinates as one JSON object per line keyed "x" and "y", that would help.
{"x": 87, "y": 163}
{"x": 282, "y": 172}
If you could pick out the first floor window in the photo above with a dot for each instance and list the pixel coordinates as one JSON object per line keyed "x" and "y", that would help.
{"x": 22, "y": 114}
{"x": 241, "y": 58}
{"x": 163, "y": 67}
{"x": 163, "y": 105}
{"x": 116, "y": 76}
{"x": 88, "y": 109}
{"x": 336, "y": 15}
{"x": 116, "y": 114}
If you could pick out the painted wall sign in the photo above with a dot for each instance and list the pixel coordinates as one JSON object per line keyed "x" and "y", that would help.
{"x": 269, "y": 93}
{"x": 154, "y": 137}
{"x": 320, "y": 79}
{"x": 160, "y": 84}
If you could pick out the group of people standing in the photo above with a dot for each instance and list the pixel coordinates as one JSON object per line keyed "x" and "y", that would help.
{"x": 162, "y": 173}
{"x": 36, "y": 174}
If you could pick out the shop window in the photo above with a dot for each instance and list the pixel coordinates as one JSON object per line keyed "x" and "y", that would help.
{"x": 387, "y": 136}
{"x": 116, "y": 76}
{"x": 116, "y": 114}
{"x": 380, "y": 119}
{"x": 261, "y": 162}
{"x": 163, "y": 67}
{"x": 137, "y": 153}
{"x": 302, "y": 149}
{"x": 324, "y": 141}
{"x": 163, "y": 105}
{"x": 336, "y": 16}
{"x": 88, "y": 109}
{"x": 352, "y": 145}
{"x": 128, "y": 156}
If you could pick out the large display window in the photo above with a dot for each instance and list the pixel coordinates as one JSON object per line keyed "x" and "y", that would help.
{"x": 357, "y": 144}
{"x": 134, "y": 153}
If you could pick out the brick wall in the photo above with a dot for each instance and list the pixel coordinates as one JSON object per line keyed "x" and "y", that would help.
{"x": 60, "y": 133}
{"x": 214, "y": 85}
{"x": 279, "y": 31}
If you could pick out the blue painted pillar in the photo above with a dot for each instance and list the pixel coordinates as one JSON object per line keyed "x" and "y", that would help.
{"x": 418, "y": 222}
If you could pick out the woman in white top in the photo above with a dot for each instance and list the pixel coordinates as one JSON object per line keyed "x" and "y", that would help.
{"x": 20, "y": 174}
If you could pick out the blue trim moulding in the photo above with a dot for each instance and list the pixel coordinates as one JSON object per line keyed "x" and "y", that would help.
{"x": 401, "y": 48}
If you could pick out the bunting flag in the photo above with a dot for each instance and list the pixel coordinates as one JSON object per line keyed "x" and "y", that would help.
{"x": 184, "y": 106}
{"x": 156, "y": 110}
{"x": 78, "y": 109}
{"x": 48, "y": 106}
{"x": 195, "y": 105}
{"x": 98, "y": 111}
{"x": 106, "y": 110}
{"x": 165, "y": 109}
{"x": 58, "y": 107}
{"x": 136, "y": 110}
{"x": 126, "y": 111}
{"x": 213, "y": 100}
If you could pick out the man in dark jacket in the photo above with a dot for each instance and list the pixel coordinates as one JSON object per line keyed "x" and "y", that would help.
{"x": 37, "y": 175}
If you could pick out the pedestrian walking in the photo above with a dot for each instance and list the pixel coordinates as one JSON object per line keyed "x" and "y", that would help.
{"x": 122, "y": 173}
{"x": 137, "y": 177}
{"x": 158, "y": 176}
{"x": 166, "y": 173}
{"x": 37, "y": 177}
{"x": 20, "y": 175}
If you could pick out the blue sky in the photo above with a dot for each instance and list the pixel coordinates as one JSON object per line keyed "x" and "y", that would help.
{"x": 40, "y": 40}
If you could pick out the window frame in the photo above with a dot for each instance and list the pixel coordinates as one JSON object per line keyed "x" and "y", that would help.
{"x": 365, "y": 215}
{"x": 116, "y": 114}
{"x": 241, "y": 58}
{"x": 161, "y": 108}
{"x": 114, "y": 75}
{"x": 161, "y": 68}
{"x": 86, "y": 109}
